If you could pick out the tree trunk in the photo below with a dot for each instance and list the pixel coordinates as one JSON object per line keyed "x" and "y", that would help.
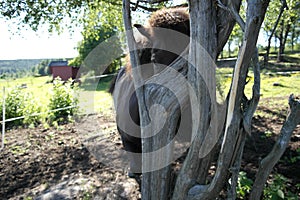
{"x": 229, "y": 50}
{"x": 293, "y": 37}
{"x": 280, "y": 38}
{"x": 210, "y": 122}
{"x": 285, "y": 29}
{"x": 202, "y": 56}
{"x": 266, "y": 57}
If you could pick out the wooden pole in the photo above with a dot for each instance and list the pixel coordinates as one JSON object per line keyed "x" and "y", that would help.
{"x": 3, "y": 118}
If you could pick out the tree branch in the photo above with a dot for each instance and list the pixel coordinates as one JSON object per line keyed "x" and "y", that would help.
{"x": 235, "y": 169}
{"x": 137, "y": 5}
{"x": 233, "y": 13}
{"x": 225, "y": 23}
{"x": 267, "y": 164}
{"x": 232, "y": 136}
{"x": 252, "y": 104}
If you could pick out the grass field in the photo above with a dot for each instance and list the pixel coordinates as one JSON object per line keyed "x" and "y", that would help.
{"x": 272, "y": 84}
{"x": 275, "y": 87}
{"x": 93, "y": 98}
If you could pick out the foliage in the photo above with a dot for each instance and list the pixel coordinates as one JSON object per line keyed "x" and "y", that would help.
{"x": 289, "y": 22}
{"x": 244, "y": 185}
{"x": 108, "y": 50}
{"x": 17, "y": 68}
{"x": 20, "y": 102}
{"x": 61, "y": 14}
{"x": 63, "y": 101}
{"x": 42, "y": 68}
{"x": 102, "y": 20}
{"x": 277, "y": 189}
{"x": 98, "y": 19}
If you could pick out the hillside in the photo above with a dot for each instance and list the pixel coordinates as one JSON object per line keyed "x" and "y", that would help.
{"x": 12, "y": 66}
{"x": 16, "y": 65}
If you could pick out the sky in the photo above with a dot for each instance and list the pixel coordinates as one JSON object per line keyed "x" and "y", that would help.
{"x": 41, "y": 44}
{"x": 32, "y": 45}
{"x": 38, "y": 45}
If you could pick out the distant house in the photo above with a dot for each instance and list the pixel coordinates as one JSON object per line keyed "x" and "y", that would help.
{"x": 62, "y": 70}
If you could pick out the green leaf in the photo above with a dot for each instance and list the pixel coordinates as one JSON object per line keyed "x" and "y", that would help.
{"x": 280, "y": 194}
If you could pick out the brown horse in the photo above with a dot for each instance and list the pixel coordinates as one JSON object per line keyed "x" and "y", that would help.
{"x": 158, "y": 48}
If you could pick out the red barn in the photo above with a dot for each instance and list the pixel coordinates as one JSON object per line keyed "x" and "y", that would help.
{"x": 62, "y": 70}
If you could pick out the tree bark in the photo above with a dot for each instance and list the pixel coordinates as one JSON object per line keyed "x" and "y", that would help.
{"x": 210, "y": 121}
{"x": 203, "y": 53}
{"x": 233, "y": 132}
{"x": 157, "y": 163}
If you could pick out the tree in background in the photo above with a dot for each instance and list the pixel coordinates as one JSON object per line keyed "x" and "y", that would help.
{"x": 42, "y": 68}
{"x": 281, "y": 21}
{"x": 90, "y": 41}
{"x": 103, "y": 21}
{"x": 295, "y": 34}
{"x": 235, "y": 38}
{"x": 98, "y": 20}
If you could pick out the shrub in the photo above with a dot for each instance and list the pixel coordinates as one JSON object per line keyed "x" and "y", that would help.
{"x": 278, "y": 189}
{"x": 63, "y": 101}
{"x": 21, "y": 103}
{"x": 244, "y": 185}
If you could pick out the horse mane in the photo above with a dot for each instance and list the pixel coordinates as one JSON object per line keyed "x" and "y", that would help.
{"x": 176, "y": 19}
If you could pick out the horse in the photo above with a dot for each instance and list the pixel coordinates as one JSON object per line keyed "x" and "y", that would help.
{"x": 153, "y": 44}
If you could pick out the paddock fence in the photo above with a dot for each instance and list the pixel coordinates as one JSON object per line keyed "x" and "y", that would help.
{"x": 4, "y": 120}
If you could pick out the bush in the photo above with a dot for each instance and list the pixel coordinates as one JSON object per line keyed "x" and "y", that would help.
{"x": 278, "y": 189}
{"x": 244, "y": 185}
{"x": 19, "y": 102}
{"x": 63, "y": 101}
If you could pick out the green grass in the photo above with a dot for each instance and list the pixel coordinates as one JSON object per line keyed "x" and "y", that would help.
{"x": 271, "y": 86}
{"x": 97, "y": 99}
{"x": 93, "y": 97}
{"x": 275, "y": 88}
{"x": 39, "y": 86}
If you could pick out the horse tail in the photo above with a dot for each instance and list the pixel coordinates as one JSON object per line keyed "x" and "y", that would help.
{"x": 115, "y": 79}
{"x": 112, "y": 84}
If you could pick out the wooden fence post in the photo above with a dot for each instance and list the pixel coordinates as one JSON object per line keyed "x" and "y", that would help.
{"x": 3, "y": 118}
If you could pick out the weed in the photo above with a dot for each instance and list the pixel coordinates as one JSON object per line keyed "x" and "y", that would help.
{"x": 63, "y": 101}
{"x": 278, "y": 189}
{"x": 20, "y": 102}
{"x": 244, "y": 185}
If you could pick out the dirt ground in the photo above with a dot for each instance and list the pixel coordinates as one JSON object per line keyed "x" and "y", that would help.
{"x": 65, "y": 163}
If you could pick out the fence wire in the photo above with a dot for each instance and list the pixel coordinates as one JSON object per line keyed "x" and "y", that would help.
{"x": 40, "y": 113}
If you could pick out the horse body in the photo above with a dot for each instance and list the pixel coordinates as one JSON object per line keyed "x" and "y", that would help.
{"x": 153, "y": 57}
